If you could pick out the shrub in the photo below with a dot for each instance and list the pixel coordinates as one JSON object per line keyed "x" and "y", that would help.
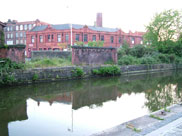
{"x": 6, "y": 67}
{"x": 107, "y": 71}
{"x": 147, "y": 60}
{"x": 78, "y": 72}
{"x": 127, "y": 60}
{"x": 35, "y": 77}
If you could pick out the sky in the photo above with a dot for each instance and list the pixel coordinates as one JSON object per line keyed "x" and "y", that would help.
{"x": 128, "y": 15}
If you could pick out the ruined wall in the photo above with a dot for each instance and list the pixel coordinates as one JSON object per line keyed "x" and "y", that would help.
{"x": 13, "y": 52}
{"x": 93, "y": 55}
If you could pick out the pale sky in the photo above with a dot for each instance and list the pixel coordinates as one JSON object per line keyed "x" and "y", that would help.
{"x": 128, "y": 15}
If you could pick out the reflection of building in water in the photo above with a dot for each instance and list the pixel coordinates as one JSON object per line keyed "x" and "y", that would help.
{"x": 15, "y": 113}
{"x": 62, "y": 98}
{"x": 82, "y": 98}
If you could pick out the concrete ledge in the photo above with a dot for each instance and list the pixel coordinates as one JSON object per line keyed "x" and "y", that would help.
{"x": 146, "y": 124}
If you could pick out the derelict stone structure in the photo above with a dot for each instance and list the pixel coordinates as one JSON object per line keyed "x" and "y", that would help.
{"x": 14, "y": 52}
{"x": 93, "y": 55}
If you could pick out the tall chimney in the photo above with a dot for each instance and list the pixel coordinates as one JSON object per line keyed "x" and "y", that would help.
{"x": 99, "y": 20}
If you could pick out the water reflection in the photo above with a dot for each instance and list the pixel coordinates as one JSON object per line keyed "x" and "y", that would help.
{"x": 82, "y": 107}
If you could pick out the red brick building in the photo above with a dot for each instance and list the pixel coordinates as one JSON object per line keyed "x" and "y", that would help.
{"x": 58, "y": 37}
{"x": 15, "y": 32}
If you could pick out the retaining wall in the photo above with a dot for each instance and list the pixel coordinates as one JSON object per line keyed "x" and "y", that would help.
{"x": 66, "y": 73}
{"x": 50, "y": 54}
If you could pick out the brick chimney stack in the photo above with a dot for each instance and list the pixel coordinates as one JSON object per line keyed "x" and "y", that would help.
{"x": 99, "y": 20}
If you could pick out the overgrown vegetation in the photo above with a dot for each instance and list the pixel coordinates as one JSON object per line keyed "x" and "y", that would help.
{"x": 90, "y": 44}
{"x": 107, "y": 71}
{"x": 156, "y": 117}
{"x": 78, "y": 72}
{"x": 48, "y": 62}
{"x": 6, "y": 68}
{"x": 1, "y": 38}
{"x": 162, "y": 42}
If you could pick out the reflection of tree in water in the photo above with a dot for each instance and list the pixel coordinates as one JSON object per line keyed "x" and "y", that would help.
{"x": 166, "y": 91}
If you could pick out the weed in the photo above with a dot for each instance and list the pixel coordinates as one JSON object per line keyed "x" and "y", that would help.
{"x": 156, "y": 117}
{"x": 35, "y": 77}
{"x": 78, "y": 72}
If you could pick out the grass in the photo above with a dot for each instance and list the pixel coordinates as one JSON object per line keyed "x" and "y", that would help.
{"x": 48, "y": 62}
{"x": 156, "y": 117}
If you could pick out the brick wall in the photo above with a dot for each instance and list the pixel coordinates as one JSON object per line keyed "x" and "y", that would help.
{"x": 15, "y": 53}
{"x": 93, "y": 55}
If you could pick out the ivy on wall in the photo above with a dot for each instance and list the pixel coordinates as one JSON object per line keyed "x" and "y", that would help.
{"x": 1, "y": 38}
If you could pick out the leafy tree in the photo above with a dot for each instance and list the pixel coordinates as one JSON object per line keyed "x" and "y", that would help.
{"x": 165, "y": 27}
{"x": 95, "y": 43}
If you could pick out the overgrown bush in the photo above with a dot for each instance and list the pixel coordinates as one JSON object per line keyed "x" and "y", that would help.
{"x": 127, "y": 60}
{"x": 78, "y": 72}
{"x": 6, "y": 68}
{"x": 107, "y": 71}
{"x": 147, "y": 60}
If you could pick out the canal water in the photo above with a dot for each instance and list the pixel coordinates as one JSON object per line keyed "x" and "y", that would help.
{"x": 85, "y": 107}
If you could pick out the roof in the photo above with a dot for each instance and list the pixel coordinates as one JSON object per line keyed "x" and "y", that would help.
{"x": 75, "y": 26}
{"x": 2, "y": 24}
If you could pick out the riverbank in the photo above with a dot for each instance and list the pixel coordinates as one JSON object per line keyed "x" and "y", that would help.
{"x": 160, "y": 123}
{"x": 38, "y": 75}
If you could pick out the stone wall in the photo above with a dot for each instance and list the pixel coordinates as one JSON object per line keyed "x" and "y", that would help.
{"x": 66, "y": 73}
{"x": 13, "y": 52}
{"x": 50, "y": 54}
{"x": 93, "y": 55}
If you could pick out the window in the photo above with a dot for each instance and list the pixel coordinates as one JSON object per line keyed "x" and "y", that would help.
{"x": 17, "y": 28}
{"x": 141, "y": 41}
{"x": 49, "y": 38}
{"x": 93, "y": 37}
{"x": 59, "y": 37}
{"x": 112, "y": 39}
{"x": 33, "y": 39}
{"x": 11, "y": 28}
{"x": 85, "y": 38}
{"x": 21, "y": 34}
{"x": 132, "y": 40}
{"x": 21, "y": 27}
{"x": 17, "y": 41}
{"x": 25, "y": 42}
{"x": 17, "y": 35}
{"x": 67, "y": 37}
{"x": 102, "y": 38}
{"x": 11, "y": 35}
{"x": 7, "y": 28}
{"x": 8, "y": 36}
{"x": 30, "y": 26}
{"x": 24, "y": 34}
{"x": 41, "y": 38}
{"x": 119, "y": 40}
{"x": 21, "y": 41}
{"x": 52, "y": 37}
{"x": 40, "y": 49}
{"x": 77, "y": 37}
{"x": 25, "y": 27}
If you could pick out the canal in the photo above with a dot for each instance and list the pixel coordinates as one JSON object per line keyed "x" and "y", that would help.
{"x": 84, "y": 107}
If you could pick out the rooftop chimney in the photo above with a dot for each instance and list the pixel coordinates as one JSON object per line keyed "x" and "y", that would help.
{"x": 99, "y": 20}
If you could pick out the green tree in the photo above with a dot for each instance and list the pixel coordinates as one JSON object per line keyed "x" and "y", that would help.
{"x": 164, "y": 27}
